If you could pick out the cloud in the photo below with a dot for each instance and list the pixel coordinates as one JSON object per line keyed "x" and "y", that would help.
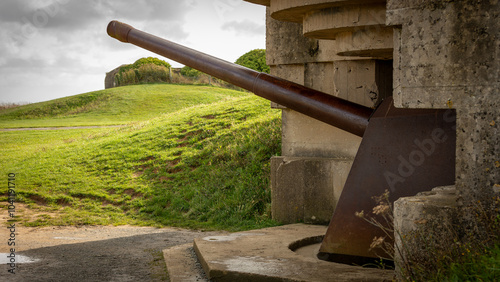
{"x": 146, "y": 9}
{"x": 12, "y": 10}
{"x": 46, "y": 28}
{"x": 74, "y": 15}
{"x": 41, "y": 40}
{"x": 245, "y": 27}
{"x": 63, "y": 14}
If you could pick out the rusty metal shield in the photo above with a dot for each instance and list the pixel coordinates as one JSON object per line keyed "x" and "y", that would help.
{"x": 404, "y": 151}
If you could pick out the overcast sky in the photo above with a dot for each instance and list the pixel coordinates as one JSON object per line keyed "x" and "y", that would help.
{"x": 56, "y": 48}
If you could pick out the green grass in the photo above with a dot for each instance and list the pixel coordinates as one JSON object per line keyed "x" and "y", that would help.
{"x": 202, "y": 166}
{"x": 115, "y": 106}
{"x": 475, "y": 265}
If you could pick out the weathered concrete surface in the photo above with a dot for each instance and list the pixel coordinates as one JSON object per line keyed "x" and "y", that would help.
{"x": 410, "y": 212}
{"x": 109, "y": 80}
{"x": 358, "y": 29}
{"x": 377, "y": 43}
{"x": 447, "y": 56}
{"x": 315, "y": 63}
{"x": 183, "y": 265}
{"x": 264, "y": 255}
{"x": 365, "y": 82}
{"x": 427, "y": 213}
{"x": 285, "y": 44}
{"x": 306, "y": 189}
{"x": 306, "y": 137}
{"x": 328, "y": 22}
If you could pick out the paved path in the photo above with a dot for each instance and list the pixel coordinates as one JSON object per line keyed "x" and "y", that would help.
{"x": 91, "y": 253}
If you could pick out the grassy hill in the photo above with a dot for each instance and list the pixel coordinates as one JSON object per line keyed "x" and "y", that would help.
{"x": 201, "y": 161}
{"x": 113, "y": 106}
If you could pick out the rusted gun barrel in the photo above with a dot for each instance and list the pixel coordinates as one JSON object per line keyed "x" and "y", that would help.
{"x": 340, "y": 113}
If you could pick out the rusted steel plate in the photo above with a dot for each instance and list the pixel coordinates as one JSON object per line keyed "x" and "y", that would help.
{"x": 405, "y": 151}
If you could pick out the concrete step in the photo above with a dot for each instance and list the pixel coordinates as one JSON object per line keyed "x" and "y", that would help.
{"x": 265, "y": 255}
{"x": 358, "y": 26}
{"x": 295, "y": 10}
{"x": 183, "y": 265}
{"x": 360, "y": 30}
{"x": 260, "y": 2}
{"x": 327, "y": 23}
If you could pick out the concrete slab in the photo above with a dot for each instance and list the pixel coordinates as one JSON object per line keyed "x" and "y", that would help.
{"x": 182, "y": 264}
{"x": 264, "y": 255}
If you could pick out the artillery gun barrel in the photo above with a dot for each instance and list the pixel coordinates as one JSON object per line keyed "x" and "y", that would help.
{"x": 332, "y": 110}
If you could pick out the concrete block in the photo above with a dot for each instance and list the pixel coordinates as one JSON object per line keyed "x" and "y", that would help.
{"x": 443, "y": 53}
{"x": 411, "y": 212}
{"x": 306, "y": 137}
{"x": 365, "y": 82}
{"x": 292, "y": 72}
{"x": 306, "y": 189}
{"x": 319, "y": 76}
{"x": 265, "y": 255}
{"x": 426, "y": 214}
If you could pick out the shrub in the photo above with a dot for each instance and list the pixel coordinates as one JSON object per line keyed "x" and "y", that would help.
{"x": 144, "y": 70}
{"x": 255, "y": 59}
{"x": 152, "y": 73}
{"x": 8, "y": 105}
{"x": 127, "y": 78}
{"x": 149, "y": 60}
{"x": 190, "y": 72}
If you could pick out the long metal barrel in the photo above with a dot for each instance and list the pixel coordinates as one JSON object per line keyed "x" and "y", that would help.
{"x": 340, "y": 113}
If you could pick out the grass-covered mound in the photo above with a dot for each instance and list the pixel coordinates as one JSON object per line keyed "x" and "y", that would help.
{"x": 204, "y": 166}
{"x": 120, "y": 105}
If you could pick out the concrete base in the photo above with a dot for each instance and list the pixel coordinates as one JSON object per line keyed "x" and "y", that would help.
{"x": 183, "y": 265}
{"x": 265, "y": 255}
{"x": 306, "y": 189}
{"x": 423, "y": 219}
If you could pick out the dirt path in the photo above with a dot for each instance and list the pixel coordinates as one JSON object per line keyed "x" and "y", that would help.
{"x": 90, "y": 253}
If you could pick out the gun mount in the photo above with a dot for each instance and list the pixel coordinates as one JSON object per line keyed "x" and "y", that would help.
{"x": 404, "y": 151}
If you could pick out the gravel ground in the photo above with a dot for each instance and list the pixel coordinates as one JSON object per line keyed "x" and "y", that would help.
{"x": 91, "y": 253}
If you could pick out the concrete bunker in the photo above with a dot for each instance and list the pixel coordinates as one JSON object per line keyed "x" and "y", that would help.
{"x": 363, "y": 52}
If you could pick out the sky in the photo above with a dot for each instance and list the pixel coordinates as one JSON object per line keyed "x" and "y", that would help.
{"x": 56, "y": 48}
